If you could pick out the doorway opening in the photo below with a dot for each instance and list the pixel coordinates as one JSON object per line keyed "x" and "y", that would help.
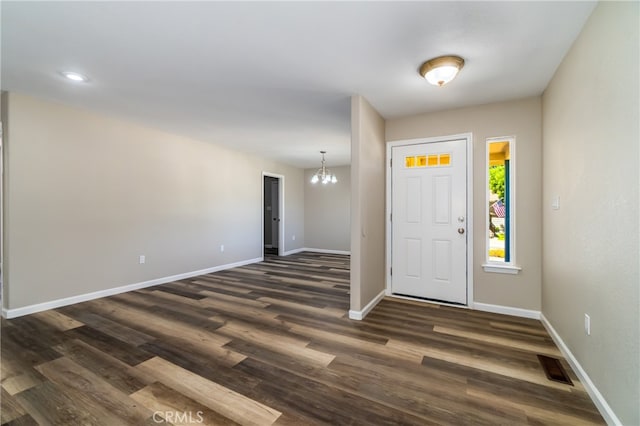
{"x": 273, "y": 214}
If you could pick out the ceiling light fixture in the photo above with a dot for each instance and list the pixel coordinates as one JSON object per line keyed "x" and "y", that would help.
{"x": 74, "y": 76}
{"x": 441, "y": 70}
{"x": 323, "y": 174}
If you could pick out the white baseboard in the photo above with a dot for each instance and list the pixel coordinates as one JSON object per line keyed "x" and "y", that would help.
{"x": 597, "y": 398}
{"x": 317, "y": 250}
{"x": 506, "y": 310}
{"x": 31, "y": 309}
{"x": 359, "y": 315}
{"x": 294, "y": 251}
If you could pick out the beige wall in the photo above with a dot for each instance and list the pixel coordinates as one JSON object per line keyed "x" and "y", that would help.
{"x": 367, "y": 203}
{"x": 327, "y": 220}
{"x": 522, "y": 119}
{"x": 87, "y": 194}
{"x": 590, "y": 263}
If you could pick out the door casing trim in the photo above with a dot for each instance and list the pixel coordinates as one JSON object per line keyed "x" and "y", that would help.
{"x": 468, "y": 137}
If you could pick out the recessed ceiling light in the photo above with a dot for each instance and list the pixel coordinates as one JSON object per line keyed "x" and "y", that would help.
{"x": 74, "y": 76}
{"x": 441, "y": 70}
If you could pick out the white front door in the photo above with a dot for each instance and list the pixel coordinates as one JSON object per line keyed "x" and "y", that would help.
{"x": 429, "y": 221}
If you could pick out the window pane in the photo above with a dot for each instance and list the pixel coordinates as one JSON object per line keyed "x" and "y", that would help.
{"x": 499, "y": 211}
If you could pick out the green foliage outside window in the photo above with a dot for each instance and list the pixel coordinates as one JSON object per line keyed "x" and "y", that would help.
{"x": 496, "y": 181}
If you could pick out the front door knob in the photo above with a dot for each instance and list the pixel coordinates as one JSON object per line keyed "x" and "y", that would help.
{"x": 460, "y": 230}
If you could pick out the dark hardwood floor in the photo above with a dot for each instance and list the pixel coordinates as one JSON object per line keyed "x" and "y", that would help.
{"x": 271, "y": 343}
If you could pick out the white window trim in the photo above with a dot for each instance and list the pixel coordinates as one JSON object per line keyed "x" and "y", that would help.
{"x": 501, "y": 269}
{"x": 510, "y": 267}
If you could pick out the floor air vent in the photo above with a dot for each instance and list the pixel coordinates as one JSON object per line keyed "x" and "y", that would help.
{"x": 553, "y": 369}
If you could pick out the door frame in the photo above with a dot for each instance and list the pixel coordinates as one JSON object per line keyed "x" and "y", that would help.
{"x": 280, "y": 212}
{"x": 468, "y": 137}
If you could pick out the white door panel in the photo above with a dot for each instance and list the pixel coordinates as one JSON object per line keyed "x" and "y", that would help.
{"x": 428, "y": 198}
{"x": 414, "y": 257}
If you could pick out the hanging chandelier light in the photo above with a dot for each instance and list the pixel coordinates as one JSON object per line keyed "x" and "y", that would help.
{"x": 323, "y": 174}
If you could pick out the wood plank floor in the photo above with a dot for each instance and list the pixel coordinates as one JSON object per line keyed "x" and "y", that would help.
{"x": 271, "y": 344}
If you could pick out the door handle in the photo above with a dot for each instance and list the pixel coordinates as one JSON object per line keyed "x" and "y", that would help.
{"x": 461, "y": 231}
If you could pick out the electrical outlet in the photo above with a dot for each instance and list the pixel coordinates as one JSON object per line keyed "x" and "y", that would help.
{"x": 222, "y": 247}
{"x": 293, "y": 237}
{"x": 141, "y": 259}
{"x": 587, "y": 325}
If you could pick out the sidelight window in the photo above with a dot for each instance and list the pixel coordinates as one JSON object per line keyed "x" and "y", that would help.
{"x": 500, "y": 206}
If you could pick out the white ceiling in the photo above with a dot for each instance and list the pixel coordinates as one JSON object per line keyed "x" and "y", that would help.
{"x": 275, "y": 79}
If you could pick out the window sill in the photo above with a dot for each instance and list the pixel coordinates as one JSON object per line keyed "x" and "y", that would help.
{"x": 501, "y": 269}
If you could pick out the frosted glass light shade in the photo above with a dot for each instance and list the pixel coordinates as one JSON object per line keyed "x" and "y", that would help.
{"x": 441, "y": 75}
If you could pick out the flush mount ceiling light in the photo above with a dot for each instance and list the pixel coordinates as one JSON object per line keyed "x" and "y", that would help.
{"x": 323, "y": 174}
{"x": 74, "y": 76}
{"x": 441, "y": 70}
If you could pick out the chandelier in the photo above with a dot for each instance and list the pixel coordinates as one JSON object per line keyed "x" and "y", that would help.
{"x": 323, "y": 174}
